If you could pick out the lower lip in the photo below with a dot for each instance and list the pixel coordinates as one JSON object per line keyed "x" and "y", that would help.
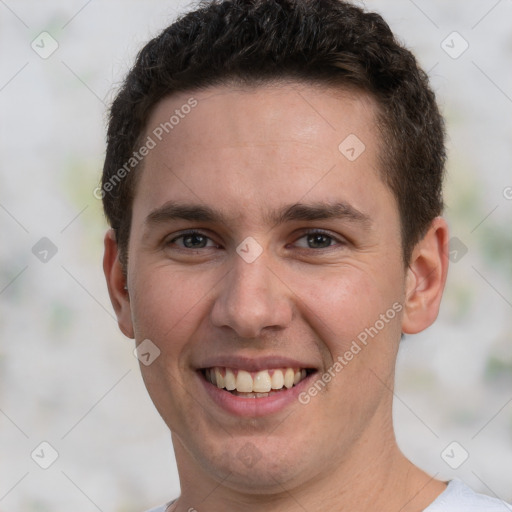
{"x": 250, "y": 407}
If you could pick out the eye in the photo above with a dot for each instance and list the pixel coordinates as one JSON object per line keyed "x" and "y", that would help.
{"x": 318, "y": 239}
{"x": 195, "y": 240}
{"x": 192, "y": 240}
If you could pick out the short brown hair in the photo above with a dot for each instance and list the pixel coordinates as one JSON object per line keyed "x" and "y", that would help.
{"x": 325, "y": 42}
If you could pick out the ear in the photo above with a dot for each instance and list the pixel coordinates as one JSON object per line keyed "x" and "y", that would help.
{"x": 426, "y": 277}
{"x": 116, "y": 283}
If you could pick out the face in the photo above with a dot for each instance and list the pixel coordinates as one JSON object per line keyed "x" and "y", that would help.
{"x": 265, "y": 254}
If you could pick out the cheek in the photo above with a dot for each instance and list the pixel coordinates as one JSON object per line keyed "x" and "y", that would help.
{"x": 166, "y": 302}
{"x": 358, "y": 318}
{"x": 359, "y": 328}
{"x": 345, "y": 301}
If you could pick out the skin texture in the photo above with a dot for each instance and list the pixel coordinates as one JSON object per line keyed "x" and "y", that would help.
{"x": 247, "y": 152}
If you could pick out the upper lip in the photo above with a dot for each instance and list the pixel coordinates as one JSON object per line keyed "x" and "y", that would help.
{"x": 253, "y": 364}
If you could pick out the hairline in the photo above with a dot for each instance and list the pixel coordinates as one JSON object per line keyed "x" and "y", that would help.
{"x": 338, "y": 85}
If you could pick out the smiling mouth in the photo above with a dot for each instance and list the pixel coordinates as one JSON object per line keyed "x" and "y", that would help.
{"x": 260, "y": 384}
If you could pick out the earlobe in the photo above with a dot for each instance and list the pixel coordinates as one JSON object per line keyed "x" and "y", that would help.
{"x": 116, "y": 284}
{"x": 426, "y": 278}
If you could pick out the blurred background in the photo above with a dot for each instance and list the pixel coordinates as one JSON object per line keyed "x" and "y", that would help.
{"x": 68, "y": 377}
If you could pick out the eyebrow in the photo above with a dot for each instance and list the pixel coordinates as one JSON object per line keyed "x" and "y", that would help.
{"x": 295, "y": 212}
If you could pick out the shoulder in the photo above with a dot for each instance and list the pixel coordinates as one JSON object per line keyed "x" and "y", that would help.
{"x": 458, "y": 497}
{"x": 162, "y": 508}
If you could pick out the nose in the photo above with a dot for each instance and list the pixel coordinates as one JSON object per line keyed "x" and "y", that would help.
{"x": 252, "y": 298}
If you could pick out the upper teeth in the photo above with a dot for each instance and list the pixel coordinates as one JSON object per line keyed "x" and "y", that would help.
{"x": 258, "y": 382}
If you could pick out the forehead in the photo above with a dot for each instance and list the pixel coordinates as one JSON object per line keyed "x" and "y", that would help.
{"x": 283, "y": 111}
{"x": 248, "y": 150}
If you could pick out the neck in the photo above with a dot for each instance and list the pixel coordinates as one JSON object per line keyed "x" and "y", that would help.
{"x": 385, "y": 481}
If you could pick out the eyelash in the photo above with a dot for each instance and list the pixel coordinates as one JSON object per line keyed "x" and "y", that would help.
{"x": 305, "y": 234}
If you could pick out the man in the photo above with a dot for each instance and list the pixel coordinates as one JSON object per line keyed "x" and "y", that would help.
{"x": 273, "y": 181}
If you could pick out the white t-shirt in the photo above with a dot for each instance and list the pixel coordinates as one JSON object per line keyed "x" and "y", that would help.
{"x": 457, "y": 497}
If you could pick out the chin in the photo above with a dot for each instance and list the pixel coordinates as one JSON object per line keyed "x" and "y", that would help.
{"x": 256, "y": 466}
